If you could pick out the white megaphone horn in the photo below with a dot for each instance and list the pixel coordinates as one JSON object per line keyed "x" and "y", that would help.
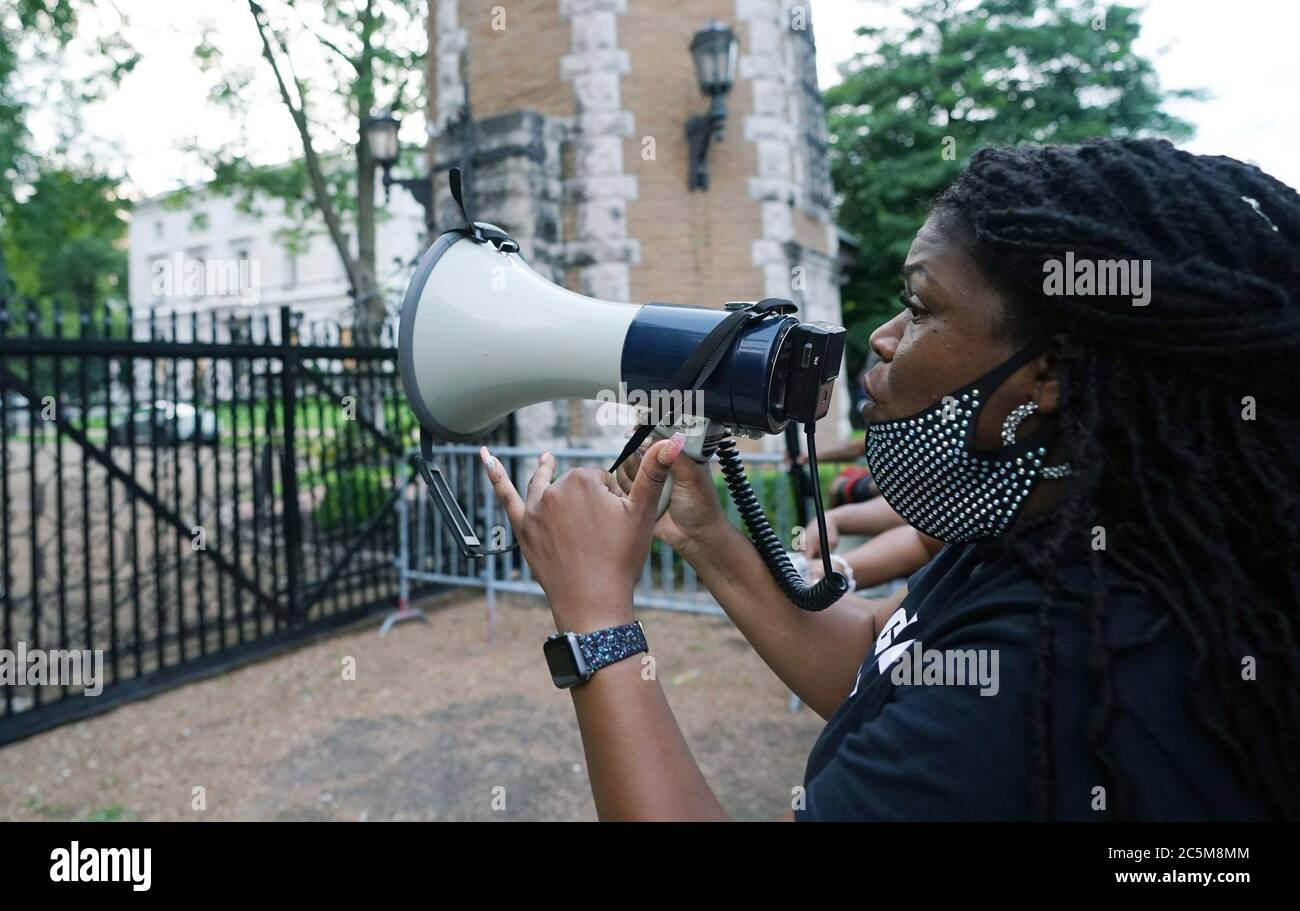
{"x": 481, "y": 335}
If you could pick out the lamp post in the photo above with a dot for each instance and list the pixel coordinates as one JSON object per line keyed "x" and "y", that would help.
{"x": 714, "y": 50}
{"x": 379, "y": 132}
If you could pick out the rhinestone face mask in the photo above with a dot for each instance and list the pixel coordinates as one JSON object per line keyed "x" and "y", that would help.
{"x": 928, "y": 470}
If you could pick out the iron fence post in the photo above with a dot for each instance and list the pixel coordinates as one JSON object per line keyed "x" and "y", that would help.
{"x": 489, "y": 564}
{"x": 404, "y": 476}
{"x": 288, "y": 461}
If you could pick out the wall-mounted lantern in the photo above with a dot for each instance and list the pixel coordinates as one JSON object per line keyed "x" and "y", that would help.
{"x": 714, "y": 50}
{"x": 379, "y": 133}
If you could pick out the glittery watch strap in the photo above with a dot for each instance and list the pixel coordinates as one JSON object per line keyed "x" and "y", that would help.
{"x": 605, "y": 646}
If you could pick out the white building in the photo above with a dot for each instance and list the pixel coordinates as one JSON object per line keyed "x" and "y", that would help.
{"x": 208, "y": 257}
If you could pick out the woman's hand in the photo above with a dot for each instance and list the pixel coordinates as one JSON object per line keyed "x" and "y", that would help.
{"x": 693, "y": 511}
{"x": 585, "y": 539}
{"x": 812, "y": 542}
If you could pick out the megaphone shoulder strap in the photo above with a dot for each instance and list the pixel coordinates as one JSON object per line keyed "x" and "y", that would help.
{"x": 477, "y": 231}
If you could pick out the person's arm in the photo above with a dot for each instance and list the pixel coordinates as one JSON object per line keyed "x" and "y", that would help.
{"x": 869, "y": 518}
{"x": 817, "y": 655}
{"x": 586, "y": 543}
{"x": 637, "y": 759}
{"x": 847, "y": 451}
{"x": 889, "y": 555}
{"x": 873, "y": 517}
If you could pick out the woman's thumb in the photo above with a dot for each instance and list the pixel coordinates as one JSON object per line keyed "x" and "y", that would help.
{"x": 653, "y": 472}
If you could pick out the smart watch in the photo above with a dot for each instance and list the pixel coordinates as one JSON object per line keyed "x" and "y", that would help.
{"x": 573, "y": 658}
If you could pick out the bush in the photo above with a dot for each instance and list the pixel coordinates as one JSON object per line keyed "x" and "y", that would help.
{"x": 775, "y": 490}
{"x": 352, "y": 498}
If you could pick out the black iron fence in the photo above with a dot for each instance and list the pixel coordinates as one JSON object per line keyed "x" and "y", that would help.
{"x": 179, "y": 495}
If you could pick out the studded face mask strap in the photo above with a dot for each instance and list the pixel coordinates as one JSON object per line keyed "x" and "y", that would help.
{"x": 986, "y": 383}
{"x": 991, "y": 381}
{"x": 999, "y": 374}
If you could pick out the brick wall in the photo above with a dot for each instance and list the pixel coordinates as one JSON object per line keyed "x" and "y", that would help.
{"x": 614, "y": 82}
{"x": 695, "y": 247}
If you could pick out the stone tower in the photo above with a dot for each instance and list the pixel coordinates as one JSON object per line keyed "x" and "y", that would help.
{"x": 576, "y": 120}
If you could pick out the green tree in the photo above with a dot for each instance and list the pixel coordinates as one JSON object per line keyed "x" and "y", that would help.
{"x": 360, "y": 54}
{"x": 62, "y": 216}
{"x": 67, "y": 235}
{"x": 922, "y": 98}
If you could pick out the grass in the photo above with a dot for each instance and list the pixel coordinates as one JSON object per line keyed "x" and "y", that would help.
{"x": 48, "y": 810}
{"x": 114, "y": 813}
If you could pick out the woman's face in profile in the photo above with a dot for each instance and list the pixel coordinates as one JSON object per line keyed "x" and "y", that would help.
{"x": 945, "y": 337}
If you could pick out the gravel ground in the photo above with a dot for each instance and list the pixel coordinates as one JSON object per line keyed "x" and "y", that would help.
{"x": 437, "y": 721}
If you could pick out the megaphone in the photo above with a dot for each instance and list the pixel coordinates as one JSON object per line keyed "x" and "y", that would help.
{"x": 481, "y": 334}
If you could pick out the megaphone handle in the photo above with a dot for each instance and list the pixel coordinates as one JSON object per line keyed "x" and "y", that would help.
{"x": 445, "y": 501}
{"x": 694, "y": 447}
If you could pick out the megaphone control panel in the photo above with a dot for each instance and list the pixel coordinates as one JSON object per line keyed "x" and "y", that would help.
{"x": 814, "y": 352}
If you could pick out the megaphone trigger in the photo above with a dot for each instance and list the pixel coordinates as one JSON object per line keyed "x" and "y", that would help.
{"x": 696, "y": 431}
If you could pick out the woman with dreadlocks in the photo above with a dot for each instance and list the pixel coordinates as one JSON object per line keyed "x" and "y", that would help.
{"x": 1091, "y": 394}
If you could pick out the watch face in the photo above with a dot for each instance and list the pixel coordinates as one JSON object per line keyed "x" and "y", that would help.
{"x": 564, "y": 660}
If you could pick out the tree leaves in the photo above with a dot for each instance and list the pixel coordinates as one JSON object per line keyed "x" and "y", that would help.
{"x": 919, "y": 100}
{"x": 62, "y": 223}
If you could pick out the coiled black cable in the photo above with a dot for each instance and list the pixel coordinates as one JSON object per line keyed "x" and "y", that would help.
{"x": 832, "y": 586}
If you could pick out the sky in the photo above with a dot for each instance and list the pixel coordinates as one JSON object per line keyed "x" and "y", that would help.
{"x": 1242, "y": 52}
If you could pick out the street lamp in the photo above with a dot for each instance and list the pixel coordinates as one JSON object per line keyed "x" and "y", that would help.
{"x": 379, "y": 133}
{"x": 381, "y": 136}
{"x": 714, "y": 50}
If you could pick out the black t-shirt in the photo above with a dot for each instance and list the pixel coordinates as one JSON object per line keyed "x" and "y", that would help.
{"x": 913, "y": 742}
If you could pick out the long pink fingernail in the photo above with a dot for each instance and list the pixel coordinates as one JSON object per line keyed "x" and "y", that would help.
{"x": 668, "y": 454}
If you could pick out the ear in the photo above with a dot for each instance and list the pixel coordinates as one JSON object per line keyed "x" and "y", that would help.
{"x": 1047, "y": 386}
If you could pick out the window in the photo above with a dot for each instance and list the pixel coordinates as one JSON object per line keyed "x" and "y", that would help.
{"x": 812, "y": 117}
{"x": 194, "y": 282}
{"x": 290, "y": 267}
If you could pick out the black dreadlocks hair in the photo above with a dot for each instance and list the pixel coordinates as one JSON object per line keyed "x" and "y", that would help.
{"x": 1199, "y": 494}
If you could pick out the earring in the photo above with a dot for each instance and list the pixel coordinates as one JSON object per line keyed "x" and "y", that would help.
{"x": 1014, "y": 420}
{"x": 1012, "y": 424}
